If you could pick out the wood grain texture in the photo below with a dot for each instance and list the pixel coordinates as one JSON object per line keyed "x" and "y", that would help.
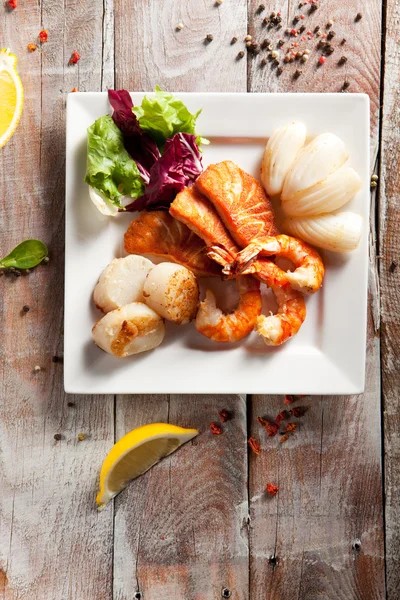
{"x": 181, "y": 529}
{"x": 390, "y": 288}
{"x": 330, "y": 497}
{"x": 179, "y": 60}
{"x": 53, "y": 543}
{"x": 321, "y": 509}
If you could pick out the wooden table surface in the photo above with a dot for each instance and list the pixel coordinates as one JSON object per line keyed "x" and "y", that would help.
{"x": 199, "y": 522}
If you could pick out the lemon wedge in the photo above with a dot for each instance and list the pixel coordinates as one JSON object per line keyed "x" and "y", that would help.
{"x": 11, "y": 95}
{"x": 136, "y": 453}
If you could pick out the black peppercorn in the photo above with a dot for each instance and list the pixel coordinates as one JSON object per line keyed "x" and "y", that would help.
{"x": 26, "y": 308}
{"x": 234, "y": 40}
{"x": 57, "y": 437}
{"x": 209, "y": 37}
{"x": 240, "y": 55}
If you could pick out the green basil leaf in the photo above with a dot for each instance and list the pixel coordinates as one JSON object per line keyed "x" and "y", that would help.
{"x": 26, "y": 255}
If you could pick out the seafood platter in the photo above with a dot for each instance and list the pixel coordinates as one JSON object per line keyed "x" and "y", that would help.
{"x": 221, "y": 242}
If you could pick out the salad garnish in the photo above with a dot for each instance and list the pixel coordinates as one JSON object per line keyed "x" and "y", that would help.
{"x": 147, "y": 153}
{"x": 110, "y": 169}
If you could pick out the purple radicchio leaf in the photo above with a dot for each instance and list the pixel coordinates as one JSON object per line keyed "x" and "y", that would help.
{"x": 139, "y": 144}
{"x": 178, "y": 167}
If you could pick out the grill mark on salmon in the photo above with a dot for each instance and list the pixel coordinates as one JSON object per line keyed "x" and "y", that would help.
{"x": 239, "y": 200}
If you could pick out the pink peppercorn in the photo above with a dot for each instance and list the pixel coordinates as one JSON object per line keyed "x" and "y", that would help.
{"x": 321, "y": 60}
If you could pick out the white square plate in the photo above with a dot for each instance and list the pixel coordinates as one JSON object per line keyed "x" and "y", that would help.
{"x": 327, "y": 356}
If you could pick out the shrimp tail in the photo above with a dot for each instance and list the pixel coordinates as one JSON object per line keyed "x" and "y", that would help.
{"x": 219, "y": 254}
{"x": 265, "y": 246}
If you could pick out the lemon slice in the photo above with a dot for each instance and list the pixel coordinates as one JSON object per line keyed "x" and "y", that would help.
{"x": 11, "y": 96}
{"x": 135, "y": 453}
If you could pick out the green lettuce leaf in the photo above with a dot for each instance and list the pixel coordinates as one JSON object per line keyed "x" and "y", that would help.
{"x": 110, "y": 169}
{"x": 163, "y": 115}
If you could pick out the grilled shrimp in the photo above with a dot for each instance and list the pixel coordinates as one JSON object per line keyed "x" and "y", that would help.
{"x": 277, "y": 329}
{"x": 220, "y": 327}
{"x": 309, "y": 272}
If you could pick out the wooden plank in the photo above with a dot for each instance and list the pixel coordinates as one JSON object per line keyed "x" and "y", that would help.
{"x": 390, "y": 299}
{"x": 157, "y": 53}
{"x": 303, "y": 542}
{"x": 329, "y": 475}
{"x": 181, "y": 530}
{"x": 53, "y": 543}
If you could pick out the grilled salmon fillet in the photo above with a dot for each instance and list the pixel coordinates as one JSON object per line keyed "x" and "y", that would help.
{"x": 240, "y": 201}
{"x": 193, "y": 209}
{"x": 157, "y": 233}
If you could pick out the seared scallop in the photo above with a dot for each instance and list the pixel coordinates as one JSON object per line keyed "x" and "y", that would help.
{"x": 172, "y": 291}
{"x": 121, "y": 282}
{"x": 129, "y": 330}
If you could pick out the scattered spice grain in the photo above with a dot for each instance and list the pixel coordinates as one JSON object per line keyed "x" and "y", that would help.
{"x": 346, "y": 85}
{"x": 343, "y": 60}
{"x": 26, "y": 308}
{"x": 234, "y": 40}
{"x": 271, "y": 429}
{"x": 43, "y": 36}
{"x": 358, "y": 17}
{"x": 254, "y": 445}
{"x": 272, "y": 489}
{"x": 75, "y": 57}
{"x": 393, "y": 266}
{"x": 216, "y": 428}
{"x": 81, "y": 437}
{"x": 224, "y": 416}
{"x": 240, "y": 55}
{"x": 299, "y": 411}
{"x": 31, "y": 47}
{"x": 179, "y": 27}
{"x": 57, "y": 437}
{"x": 281, "y": 417}
{"x": 291, "y": 428}
{"x": 284, "y": 438}
{"x": 209, "y": 37}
